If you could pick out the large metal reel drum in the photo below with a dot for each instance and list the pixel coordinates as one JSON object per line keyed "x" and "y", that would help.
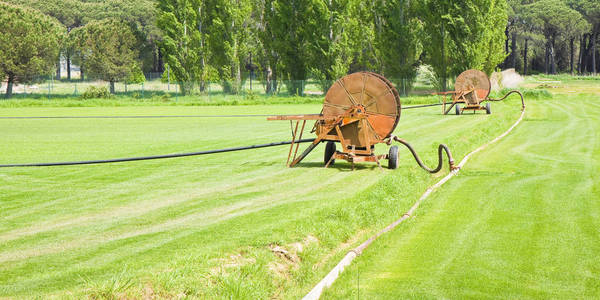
{"x": 370, "y": 91}
{"x": 473, "y": 79}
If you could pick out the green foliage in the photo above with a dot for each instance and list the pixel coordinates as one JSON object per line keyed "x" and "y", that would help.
{"x": 554, "y": 19}
{"x": 136, "y": 76}
{"x": 331, "y": 46}
{"x": 182, "y": 43}
{"x": 29, "y": 44}
{"x": 589, "y": 9}
{"x": 107, "y": 50}
{"x": 228, "y": 22}
{"x": 397, "y": 39}
{"x": 94, "y": 92}
{"x": 463, "y": 35}
{"x": 291, "y": 24}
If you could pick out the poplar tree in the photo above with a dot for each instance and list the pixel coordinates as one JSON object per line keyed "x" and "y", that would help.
{"x": 462, "y": 35}
{"x": 331, "y": 44}
{"x": 182, "y": 44}
{"x": 291, "y": 27}
{"x": 397, "y": 41}
{"x": 29, "y": 44}
{"x": 228, "y": 22}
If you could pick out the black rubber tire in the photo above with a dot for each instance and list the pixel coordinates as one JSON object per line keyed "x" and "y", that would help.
{"x": 393, "y": 158}
{"x": 488, "y": 108}
{"x": 329, "y": 151}
{"x": 457, "y": 109}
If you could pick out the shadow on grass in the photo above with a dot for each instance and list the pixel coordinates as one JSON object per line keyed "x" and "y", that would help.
{"x": 342, "y": 166}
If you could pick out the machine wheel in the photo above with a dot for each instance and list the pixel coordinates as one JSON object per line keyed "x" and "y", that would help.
{"x": 329, "y": 151}
{"x": 488, "y": 108}
{"x": 457, "y": 109}
{"x": 393, "y": 158}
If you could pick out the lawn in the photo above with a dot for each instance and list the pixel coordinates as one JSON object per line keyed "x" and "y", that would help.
{"x": 520, "y": 221}
{"x": 241, "y": 225}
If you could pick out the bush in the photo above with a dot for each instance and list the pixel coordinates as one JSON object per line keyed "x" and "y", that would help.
{"x": 136, "y": 76}
{"x": 93, "y": 92}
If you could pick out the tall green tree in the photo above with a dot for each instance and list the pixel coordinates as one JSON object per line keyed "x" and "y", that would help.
{"x": 553, "y": 18}
{"x": 182, "y": 44}
{"x": 141, "y": 14}
{"x": 266, "y": 32}
{"x": 397, "y": 41}
{"x": 590, "y": 9}
{"x": 108, "y": 50}
{"x": 69, "y": 13}
{"x": 331, "y": 45}
{"x": 463, "y": 34}
{"x": 29, "y": 44}
{"x": 228, "y": 22}
{"x": 292, "y": 27}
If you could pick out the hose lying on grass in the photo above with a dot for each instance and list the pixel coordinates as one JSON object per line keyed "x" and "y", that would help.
{"x": 441, "y": 148}
{"x": 106, "y": 161}
{"x": 509, "y": 93}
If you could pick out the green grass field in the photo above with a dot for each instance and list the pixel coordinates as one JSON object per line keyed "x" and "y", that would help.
{"x": 521, "y": 218}
{"x": 521, "y": 221}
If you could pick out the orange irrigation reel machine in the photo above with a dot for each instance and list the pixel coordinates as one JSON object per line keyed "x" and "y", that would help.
{"x": 472, "y": 88}
{"x": 360, "y": 110}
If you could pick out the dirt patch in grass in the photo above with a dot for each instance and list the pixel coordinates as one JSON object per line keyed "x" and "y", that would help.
{"x": 288, "y": 256}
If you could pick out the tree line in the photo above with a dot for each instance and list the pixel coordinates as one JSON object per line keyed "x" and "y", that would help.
{"x": 289, "y": 41}
{"x": 553, "y": 36}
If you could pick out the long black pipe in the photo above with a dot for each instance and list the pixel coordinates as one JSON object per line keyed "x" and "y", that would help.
{"x": 105, "y": 161}
{"x": 421, "y": 106}
{"x": 169, "y": 116}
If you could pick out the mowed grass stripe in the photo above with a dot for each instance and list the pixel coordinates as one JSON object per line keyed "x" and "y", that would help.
{"x": 521, "y": 221}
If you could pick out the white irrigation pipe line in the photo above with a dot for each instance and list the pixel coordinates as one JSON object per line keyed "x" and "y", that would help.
{"x": 326, "y": 282}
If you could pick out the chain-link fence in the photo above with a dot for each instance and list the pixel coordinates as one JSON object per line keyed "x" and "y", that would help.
{"x": 156, "y": 84}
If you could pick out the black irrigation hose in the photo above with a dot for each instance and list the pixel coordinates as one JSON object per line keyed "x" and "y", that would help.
{"x": 167, "y": 116}
{"x": 421, "y": 106}
{"x": 440, "y": 156}
{"x": 105, "y": 161}
{"x": 511, "y": 92}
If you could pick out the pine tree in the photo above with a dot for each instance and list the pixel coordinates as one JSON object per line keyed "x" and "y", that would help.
{"x": 29, "y": 44}
{"x": 108, "y": 50}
